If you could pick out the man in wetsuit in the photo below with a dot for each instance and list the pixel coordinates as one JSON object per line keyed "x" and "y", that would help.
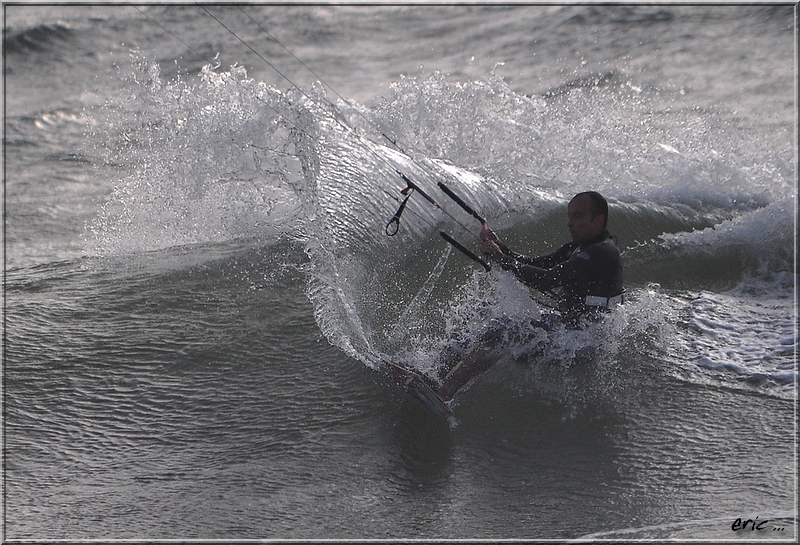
{"x": 588, "y": 269}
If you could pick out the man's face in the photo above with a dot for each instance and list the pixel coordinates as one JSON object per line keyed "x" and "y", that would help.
{"x": 582, "y": 226}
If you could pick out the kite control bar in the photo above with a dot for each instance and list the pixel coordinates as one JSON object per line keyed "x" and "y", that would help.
{"x": 465, "y": 251}
{"x": 394, "y": 224}
{"x": 467, "y": 208}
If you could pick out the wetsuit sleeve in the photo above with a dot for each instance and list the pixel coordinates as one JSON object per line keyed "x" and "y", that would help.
{"x": 543, "y": 261}
{"x": 537, "y": 277}
{"x": 542, "y": 272}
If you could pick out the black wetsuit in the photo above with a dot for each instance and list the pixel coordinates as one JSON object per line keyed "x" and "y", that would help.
{"x": 591, "y": 270}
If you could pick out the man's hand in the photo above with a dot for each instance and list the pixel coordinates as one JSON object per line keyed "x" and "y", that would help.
{"x": 490, "y": 245}
{"x": 487, "y": 235}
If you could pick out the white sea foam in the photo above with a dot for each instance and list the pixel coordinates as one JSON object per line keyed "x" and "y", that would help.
{"x": 207, "y": 162}
{"x": 228, "y": 157}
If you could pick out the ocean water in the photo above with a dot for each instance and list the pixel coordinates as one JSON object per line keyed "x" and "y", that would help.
{"x": 198, "y": 279}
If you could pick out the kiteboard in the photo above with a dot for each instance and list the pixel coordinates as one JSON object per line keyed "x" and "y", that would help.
{"x": 413, "y": 383}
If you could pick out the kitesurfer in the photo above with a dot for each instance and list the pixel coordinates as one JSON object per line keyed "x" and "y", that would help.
{"x": 588, "y": 269}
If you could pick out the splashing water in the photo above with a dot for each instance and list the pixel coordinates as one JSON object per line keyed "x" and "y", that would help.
{"x": 228, "y": 158}
{"x": 215, "y": 161}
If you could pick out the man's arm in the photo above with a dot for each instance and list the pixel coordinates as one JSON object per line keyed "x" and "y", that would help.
{"x": 536, "y": 277}
{"x": 492, "y": 243}
{"x": 542, "y": 272}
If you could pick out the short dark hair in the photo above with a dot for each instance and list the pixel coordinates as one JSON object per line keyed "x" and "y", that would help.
{"x": 598, "y": 205}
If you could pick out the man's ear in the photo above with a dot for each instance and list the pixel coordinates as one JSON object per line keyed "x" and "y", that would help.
{"x": 601, "y": 217}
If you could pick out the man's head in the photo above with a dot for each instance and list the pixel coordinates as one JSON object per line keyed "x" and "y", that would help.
{"x": 588, "y": 216}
